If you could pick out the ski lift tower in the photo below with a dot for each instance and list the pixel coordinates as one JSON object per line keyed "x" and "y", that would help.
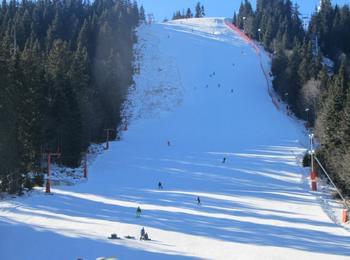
{"x": 150, "y": 18}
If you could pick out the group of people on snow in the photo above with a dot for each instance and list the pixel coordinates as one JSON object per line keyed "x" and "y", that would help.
{"x": 144, "y": 235}
{"x": 219, "y": 85}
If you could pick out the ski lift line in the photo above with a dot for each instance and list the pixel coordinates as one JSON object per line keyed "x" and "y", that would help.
{"x": 329, "y": 178}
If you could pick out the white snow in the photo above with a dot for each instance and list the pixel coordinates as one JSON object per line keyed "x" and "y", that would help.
{"x": 256, "y": 205}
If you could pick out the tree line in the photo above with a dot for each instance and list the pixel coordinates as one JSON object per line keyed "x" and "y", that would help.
{"x": 199, "y": 13}
{"x": 310, "y": 71}
{"x": 65, "y": 68}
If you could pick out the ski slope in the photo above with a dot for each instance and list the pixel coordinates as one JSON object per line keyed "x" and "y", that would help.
{"x": 200, "y": 87}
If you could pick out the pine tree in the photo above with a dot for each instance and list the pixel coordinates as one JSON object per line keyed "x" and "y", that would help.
{"x": 199, "y": 10}
{"x": 189, "y": 13}
{"x": 345, "y": 125}
{"x": 333, "y": 108}
{"x": 142, "y": 14}
{"x": 49, "y": 95}
{"x": 234, "y": 19}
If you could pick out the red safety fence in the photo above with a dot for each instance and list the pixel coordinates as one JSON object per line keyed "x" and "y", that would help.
{"x": 257, "y": 50}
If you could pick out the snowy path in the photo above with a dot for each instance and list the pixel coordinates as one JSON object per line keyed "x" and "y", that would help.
{"x": 200, "y": 87}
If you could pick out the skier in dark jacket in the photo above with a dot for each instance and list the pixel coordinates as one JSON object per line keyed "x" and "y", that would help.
{"x": 142, "y": 233}
{"x": 198, "y": 201}
{"x": 138, "y": 212}
{"x": 160, "y": 186}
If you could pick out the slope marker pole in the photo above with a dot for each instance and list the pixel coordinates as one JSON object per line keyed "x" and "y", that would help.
{"x": 48, "y": 180}
{"x": 108, "y": 130}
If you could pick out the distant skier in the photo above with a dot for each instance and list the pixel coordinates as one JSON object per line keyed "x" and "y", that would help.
{"x": 231, "y": 90}
{"x": 224, "y": 160}
{"x": 198, "y": 201}
{"x": 142, "y": 233}
{"x": 145, "y": 237}
{"x": 219, "y": 85}
{"x": 160, "y": 185}
{"x": 138, "y": 212}
{"x": 168, "y": 143}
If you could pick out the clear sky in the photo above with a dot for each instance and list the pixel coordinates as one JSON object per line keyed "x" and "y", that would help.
{"x": 166, "y": 8}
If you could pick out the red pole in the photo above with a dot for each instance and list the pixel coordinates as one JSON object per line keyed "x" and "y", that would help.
{"x": 48, "y": 190}
{"x": 313, "y": 181}
{"x": 85, "y": 166}
{"x": 345, "y": 216}
{"x": 314, "y": 185}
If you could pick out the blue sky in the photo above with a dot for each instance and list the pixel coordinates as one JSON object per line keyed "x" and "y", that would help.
{"x": 165, "y": 8}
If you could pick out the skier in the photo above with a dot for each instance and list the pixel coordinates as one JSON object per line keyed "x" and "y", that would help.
{"x": 224, "y": 160}
{"x": 168, "y": 143}
{"x": 138, "y": 212}
{"x": 198, "y": 201}
{"x": 145, "y": 237}
{"x": 160, "y": 186}
{"x": 142, "y": 233}
{"x": 231, "y": 90}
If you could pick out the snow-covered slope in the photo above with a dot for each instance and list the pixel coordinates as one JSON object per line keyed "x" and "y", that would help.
{"x": 201, "y": 88}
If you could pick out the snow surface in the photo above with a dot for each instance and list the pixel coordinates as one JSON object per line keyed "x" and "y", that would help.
{"x": 201, "y": 87}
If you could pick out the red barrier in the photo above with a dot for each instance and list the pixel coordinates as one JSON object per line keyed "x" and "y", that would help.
{"x": 313, "y": 175}
{"x": 345, "y": 216}
{"x": 314, "y": 185}
{"x": 244, "y": 36}
{"x": 257, "y": 50}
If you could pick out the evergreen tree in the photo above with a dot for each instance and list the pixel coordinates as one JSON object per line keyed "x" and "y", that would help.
{"x": 199, "y": 10}
{"x": 234, "y": 19}
{"x": 50, "y": 94}
{"x": 142, "y": 14}
{"x": 189, "y": 13}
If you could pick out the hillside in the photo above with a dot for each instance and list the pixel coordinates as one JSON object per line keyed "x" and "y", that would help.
{"x": 201, "y": 96}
